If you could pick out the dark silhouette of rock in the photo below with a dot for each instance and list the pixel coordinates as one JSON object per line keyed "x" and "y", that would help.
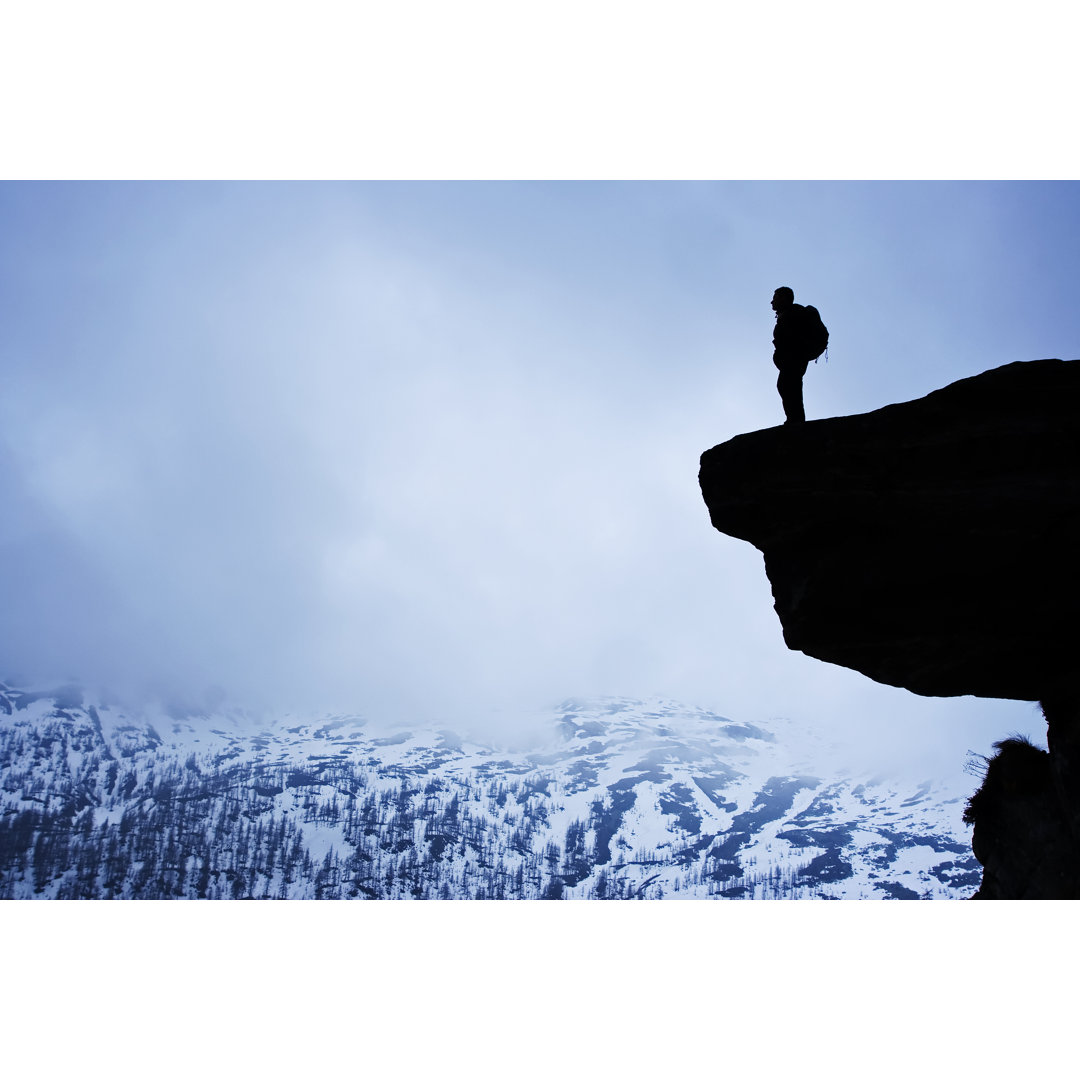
{"x": 935, "y": 545}
{"x": 1020, "y": 834}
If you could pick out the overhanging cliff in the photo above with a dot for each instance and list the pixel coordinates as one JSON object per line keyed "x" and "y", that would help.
{"x": 932, "y": 545}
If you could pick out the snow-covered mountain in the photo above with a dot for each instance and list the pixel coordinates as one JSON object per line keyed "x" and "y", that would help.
{"x": 627, "y": 799}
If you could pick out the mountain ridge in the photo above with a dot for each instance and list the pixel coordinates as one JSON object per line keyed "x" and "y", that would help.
{"x": 627, "y": 799}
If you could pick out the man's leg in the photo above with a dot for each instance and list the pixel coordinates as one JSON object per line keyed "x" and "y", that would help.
{"x": 789, "y": 384}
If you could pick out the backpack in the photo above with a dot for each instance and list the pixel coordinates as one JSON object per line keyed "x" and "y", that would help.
{"x": 815, "y": 335}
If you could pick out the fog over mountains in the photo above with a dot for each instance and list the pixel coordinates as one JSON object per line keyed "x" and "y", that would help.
{"x": 619, "y": 799}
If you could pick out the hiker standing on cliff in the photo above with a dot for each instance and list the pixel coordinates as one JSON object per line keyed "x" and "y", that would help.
{"x": 800, "y": 336}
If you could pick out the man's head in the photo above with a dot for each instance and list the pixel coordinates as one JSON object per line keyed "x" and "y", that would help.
{"x": 783, "y": 298}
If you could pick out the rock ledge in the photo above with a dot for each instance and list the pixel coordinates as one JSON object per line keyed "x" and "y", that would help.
{"x": 932, "y": 545}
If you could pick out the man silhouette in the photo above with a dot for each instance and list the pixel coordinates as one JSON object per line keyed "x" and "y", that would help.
{"x": 795, "y": 343}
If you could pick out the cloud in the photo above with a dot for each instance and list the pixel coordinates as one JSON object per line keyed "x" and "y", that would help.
{"x": 432, "y": 449}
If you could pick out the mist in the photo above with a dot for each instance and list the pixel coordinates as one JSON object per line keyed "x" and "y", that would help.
{"x": 428, "y": 451}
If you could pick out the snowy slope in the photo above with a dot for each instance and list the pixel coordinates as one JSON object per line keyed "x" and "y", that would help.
{"x": 625, "y": 799}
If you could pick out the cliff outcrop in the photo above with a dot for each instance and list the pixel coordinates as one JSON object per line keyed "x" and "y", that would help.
{"x": 932, "y": 545}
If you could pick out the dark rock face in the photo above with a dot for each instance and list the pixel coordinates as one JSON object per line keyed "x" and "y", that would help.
{"x": 1020, "y": 833}
{"x": 935, "y": 545}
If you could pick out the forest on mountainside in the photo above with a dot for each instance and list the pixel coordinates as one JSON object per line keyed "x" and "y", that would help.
{"x": 199, "y": 831}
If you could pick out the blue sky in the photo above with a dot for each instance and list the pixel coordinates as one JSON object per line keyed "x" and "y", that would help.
{"x": 430, "y": 449}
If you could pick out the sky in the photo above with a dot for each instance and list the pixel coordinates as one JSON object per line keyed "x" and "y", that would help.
{"x": 429, "y": 450}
